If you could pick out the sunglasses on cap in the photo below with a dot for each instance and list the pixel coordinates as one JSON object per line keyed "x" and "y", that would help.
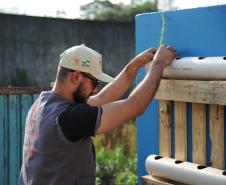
{"x": 95, "y": 82}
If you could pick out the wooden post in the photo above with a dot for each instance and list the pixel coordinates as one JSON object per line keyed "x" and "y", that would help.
{"x": 180, "y": 124}
{"x": 217, "y": 135}
{"x": 165, "y": 129}
{"x": 199, "y": 133}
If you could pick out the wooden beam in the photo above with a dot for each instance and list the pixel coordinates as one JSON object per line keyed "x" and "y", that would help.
{"x": 217, "y": 136}
{"x": 151, "y": 180}
{"x": 22, "y": 90}
{"x": 208, "y": 92}
{"x": 180, "y": 124}
{"x": 165, "y": 129}
{"x": 199, "y": 133}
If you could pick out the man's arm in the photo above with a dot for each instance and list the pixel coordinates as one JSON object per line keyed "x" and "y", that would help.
{"x": 115, "y": 90}
{"x": 116, "y": 113}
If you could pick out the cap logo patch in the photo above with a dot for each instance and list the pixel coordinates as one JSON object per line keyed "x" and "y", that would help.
{"x": 85, "y": 63}
{"x": 77, "y": 62}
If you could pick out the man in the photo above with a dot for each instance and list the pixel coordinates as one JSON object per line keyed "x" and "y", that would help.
{"x": 58, "y": 148}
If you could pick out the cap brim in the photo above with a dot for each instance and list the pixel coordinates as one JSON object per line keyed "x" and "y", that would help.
{"x": 103, "y": 77}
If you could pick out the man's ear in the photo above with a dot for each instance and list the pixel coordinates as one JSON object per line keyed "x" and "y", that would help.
{"x": 75, "y": 77}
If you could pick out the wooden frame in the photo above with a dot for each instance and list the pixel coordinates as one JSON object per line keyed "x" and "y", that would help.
{"x": 22, "y": 90}
{"x": 198, "y": 93}
{"x": 207, "y": 92}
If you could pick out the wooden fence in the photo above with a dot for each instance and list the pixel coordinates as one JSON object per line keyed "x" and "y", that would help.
{"x": 14, "y": 105}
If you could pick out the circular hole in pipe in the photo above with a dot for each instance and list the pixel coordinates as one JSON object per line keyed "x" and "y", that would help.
{"x": 224, "y": 172}
{"x": 224, "y": 58}
{"x": 158, "y": 157}
{"x": 178, "y": 162}
{"x": 200, "y": 58}
{"x": 201, "y": 167}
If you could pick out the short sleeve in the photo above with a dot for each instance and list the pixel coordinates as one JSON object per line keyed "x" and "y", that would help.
{"x": 78, "y": 121}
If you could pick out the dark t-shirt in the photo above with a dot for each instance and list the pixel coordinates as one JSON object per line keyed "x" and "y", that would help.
{"x": 79, "y": 120}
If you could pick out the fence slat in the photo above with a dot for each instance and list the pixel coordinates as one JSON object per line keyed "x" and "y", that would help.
{"x": 6, "y": 141}
{"x": 165, "y": 129}
{"x": 2, "y": 139}
{"x": 180, "y": 124}
{"x": 14, "y": 151}
{"x": 199, "y": 133}
{"x": 14, "y": 105}
{"x": 217, "y": 135}
{"x": 35, "y": 97}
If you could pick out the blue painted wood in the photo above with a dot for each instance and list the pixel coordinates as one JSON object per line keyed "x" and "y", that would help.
{"x": 192, "y": 32}
{"x": 2, "y": 117}
{"x": 147, "y": 141}
{"x": 13, "y": 113}
{"x": 14, "y": 152}
{"x": 35, "y": 97}
{"x": 6, "y": 140}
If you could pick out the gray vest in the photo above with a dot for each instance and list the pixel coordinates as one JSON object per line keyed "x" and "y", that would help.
{"x": 48, "y": 157}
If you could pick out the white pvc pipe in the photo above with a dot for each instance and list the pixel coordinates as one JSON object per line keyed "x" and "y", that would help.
{"x": 196, "y": 68}
{"x": 184, "y": 172}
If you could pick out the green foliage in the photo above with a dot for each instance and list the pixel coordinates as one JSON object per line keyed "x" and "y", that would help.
{"x": 124, "y": 136}
{"x": 20, "y": 78}
{"x": 115, "y": 168}
{"x": 116, "y": 156}
{"x": 127, "y": 178}
{"x": 105, "y": 10}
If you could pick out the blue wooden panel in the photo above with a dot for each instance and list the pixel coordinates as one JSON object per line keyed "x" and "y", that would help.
{"x": 192, "y": 32}
{"x": 14, "y": 151}
{"x": 35, "y": 97}
{"x": 13, "y": 112}
{"x": 6, "y": 140}
{"x": 2, "y": 150}
{"x": 148, "y": 131}
{"x": 149, "y": 121}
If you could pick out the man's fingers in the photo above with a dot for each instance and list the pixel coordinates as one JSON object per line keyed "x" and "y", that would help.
{"x": 171, "y": 48}
{"x": 153, "y": 50}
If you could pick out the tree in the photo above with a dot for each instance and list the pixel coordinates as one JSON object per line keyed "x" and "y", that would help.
{"x": 105, "y": 10}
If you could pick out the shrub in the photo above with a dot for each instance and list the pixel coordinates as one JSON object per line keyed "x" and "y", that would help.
{"x": 115, "y": 168}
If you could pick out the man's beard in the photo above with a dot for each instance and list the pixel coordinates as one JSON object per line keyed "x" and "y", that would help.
{"x": 79, "y": 97}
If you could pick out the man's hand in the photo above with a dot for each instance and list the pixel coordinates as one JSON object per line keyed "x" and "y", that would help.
{"x": 164, "y": 56}
{"x": 144, "y": 57}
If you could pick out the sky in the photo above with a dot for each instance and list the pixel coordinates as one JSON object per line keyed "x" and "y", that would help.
{"x": 71, "y": 8}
